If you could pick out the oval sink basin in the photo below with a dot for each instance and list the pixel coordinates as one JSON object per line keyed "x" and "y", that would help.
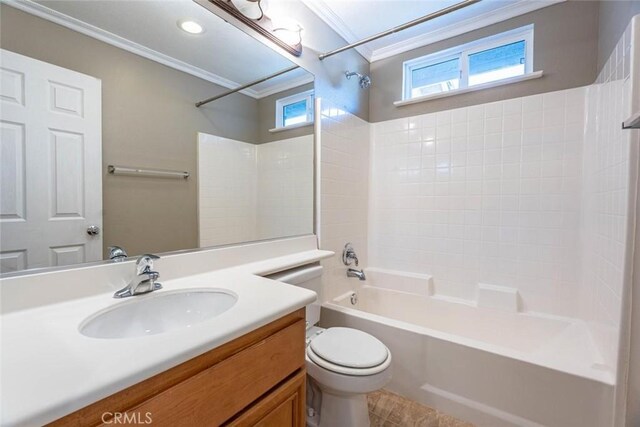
{"x": 158, "y": 313}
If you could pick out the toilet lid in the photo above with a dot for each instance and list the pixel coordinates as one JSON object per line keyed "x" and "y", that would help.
{"x": 349, "y": 347}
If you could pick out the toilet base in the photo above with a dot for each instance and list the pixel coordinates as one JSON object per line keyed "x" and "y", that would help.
{"x": 344, "y": 410}
{"x": 328, "y": 408}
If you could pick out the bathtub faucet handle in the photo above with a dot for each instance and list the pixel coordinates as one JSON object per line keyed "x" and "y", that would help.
{"x": 349, "y": 255}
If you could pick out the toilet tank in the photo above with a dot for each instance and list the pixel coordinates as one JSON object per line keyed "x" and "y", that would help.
{"x": 308, "y": 277}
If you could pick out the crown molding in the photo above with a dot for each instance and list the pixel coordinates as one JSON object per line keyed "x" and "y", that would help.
{"x": 324, "y": 12}
{"x": 489, "y": 18}
{"x": 289, "y": 84}
{"x": 92, "y": 31}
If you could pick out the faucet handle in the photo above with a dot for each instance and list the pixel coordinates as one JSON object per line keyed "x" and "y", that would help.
{"x": 349, "y": 255}
{"x": 144, "y": 264}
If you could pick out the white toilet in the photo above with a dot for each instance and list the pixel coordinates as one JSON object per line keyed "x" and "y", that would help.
{"x": 343, "y": 364}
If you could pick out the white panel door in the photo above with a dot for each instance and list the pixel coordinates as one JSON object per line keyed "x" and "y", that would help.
{"x": 50, "y": 164}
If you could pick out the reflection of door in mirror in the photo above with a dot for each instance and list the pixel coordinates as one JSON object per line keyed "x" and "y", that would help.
{"x": 51, "y": 202}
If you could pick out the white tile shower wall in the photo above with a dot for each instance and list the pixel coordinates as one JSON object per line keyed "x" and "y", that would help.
{"x": 606, "y": 185}
{"x": 344, "y": 175}
{"x": 484, "y": 194}
{"x": 227, "y": 177}
{"x": 285, "y": 188}
{"x": 250, "y": 192}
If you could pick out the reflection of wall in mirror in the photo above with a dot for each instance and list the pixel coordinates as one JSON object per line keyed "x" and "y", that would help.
{"x": 251, "y": 192}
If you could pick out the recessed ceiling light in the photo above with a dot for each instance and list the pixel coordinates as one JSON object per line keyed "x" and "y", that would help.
{"x": 190, "y": 27}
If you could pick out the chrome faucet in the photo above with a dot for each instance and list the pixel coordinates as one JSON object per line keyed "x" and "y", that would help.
{"x": 145, "y": 279}
{"x": 117, "y": 254}
{"x": 352, "y": 272}
{"x": 349, "y": 255}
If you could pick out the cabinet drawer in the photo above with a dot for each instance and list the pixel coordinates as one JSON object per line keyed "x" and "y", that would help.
{"x": 284, "y": 407}
{"x": 221, "y": 391}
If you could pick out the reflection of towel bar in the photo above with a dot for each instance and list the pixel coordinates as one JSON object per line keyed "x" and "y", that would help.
{"x": 128, "y": 170}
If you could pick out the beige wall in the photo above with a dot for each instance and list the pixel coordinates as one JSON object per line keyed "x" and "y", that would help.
{"x": 565, "y": 45}
{"x": 267, "y": 117}
{"x": 614, "y": 16}
{"x": 149, "y": 120}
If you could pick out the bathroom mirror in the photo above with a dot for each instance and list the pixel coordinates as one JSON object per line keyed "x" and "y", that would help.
{"x": 103, "y": 144}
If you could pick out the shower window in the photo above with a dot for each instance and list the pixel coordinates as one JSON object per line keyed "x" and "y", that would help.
{"x": 295, "y": 109}
{"x": 497, "y": 63}
{"x": 484, "y": 61}
{"x": 441, "y": 76}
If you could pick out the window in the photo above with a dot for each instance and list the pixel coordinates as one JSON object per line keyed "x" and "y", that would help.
{"x": 295, "y": 109}
{"x": 494, "y": 58}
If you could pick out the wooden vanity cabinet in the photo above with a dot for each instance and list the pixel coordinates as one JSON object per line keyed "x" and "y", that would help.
{"x": 255, "y": 380}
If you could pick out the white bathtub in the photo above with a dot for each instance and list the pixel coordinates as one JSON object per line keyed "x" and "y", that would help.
{"x": 488, "y": 366}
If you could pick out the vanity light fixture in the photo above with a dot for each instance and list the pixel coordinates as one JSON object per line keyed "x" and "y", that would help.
{"x": 191, "y": 27}
{"x": 284, "y": 32}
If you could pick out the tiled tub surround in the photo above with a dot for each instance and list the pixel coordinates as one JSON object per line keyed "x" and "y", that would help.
{"x": 236, "y": 180}
{"x": 486, "y": 194}
{"x": 528, "y": 194}
{"x": 608, "y": 181}
{"x": 344, "y": 178}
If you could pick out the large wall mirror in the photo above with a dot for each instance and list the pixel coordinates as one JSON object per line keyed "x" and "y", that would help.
{"x": 102, "y": 144}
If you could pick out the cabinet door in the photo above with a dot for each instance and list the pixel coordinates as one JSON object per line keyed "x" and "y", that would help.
{"x": 284, "y": 407}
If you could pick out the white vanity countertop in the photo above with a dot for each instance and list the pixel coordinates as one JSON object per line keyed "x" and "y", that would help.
{"x": 49, "y": 369}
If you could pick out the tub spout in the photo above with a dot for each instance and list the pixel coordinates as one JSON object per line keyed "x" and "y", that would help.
{"x": 352, "y": 272}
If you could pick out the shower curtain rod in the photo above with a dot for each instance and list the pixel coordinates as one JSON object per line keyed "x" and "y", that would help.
{"x": 243, "y": 87}
{"x": 409, "y": 24}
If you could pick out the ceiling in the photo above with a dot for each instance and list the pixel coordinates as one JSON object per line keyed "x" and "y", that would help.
{"x": 223, "y": 54}
{"x": 358, "y": 19}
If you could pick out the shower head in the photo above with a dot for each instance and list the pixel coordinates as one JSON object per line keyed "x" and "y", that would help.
{"x": 364, "y": 81}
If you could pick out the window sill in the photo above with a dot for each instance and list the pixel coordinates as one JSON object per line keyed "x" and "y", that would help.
{"x": 296, "y": 126}
{"x": 530, "y": 76}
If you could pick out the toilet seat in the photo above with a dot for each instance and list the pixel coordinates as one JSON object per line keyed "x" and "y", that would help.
{"x": 349, "y": 351}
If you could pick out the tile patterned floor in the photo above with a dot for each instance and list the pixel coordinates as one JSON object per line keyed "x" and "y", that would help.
{"x": 388, "y": 409}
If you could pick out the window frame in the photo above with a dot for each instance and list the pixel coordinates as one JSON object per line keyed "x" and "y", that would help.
{"x": 462, "y": 52}
{"x": 307, "y": 95}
